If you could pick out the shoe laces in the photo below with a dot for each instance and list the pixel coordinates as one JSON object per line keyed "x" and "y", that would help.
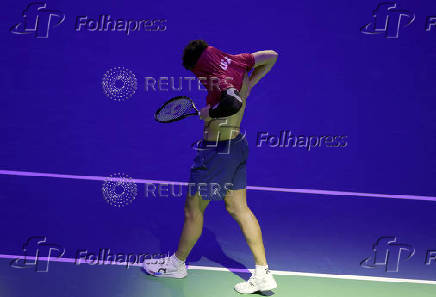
{"x": 252, "y": 280}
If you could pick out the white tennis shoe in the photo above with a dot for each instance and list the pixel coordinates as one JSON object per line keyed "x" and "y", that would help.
{"x": 166, "y": 267}
{"x": 263, "y": 282}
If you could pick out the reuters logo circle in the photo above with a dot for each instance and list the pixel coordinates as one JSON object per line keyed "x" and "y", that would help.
{"x": 119, "y": 83}
{"x": 119, "y": 190}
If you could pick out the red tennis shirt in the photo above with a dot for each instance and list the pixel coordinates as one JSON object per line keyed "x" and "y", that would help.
{"x": 218, "y": 71}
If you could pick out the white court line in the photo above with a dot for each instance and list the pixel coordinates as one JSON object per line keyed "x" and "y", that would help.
{"x": 268, "y": 189}
{"x": 276, "y": 272}
{"x": 235, "y": 270}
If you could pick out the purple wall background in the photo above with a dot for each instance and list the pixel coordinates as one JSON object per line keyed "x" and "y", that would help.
{"x": 330, "y": 79}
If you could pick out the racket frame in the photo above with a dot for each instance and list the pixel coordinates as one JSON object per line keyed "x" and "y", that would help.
{"x": 179, "y": 118}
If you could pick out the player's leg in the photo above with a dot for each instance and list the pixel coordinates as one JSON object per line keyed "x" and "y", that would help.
{"x": 193, "y": 225}
{"x": 236, "y": 206}
{"x": 236, "y": 202}
{"x": 261, "y": 279}
{"x": 174, "y": 265}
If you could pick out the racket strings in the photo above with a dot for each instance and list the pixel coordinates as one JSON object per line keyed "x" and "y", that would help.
{"x": 175, "y": 109}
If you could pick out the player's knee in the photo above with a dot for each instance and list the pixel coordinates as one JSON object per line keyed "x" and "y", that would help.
{"x": 236, "y": 211}
{"x": 192, "y": 213}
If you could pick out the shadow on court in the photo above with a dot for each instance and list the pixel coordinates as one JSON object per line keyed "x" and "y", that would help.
{"x": 207, "y": 246}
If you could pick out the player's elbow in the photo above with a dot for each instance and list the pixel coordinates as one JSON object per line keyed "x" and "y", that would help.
{"x": 266, "y": 57}
{"x": 274, "y": 55}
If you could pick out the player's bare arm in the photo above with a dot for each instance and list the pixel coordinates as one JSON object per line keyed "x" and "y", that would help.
{"x": 264, "y": 61}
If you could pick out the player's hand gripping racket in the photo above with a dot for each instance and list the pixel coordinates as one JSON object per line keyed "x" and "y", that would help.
{"x": 176, "y": 109}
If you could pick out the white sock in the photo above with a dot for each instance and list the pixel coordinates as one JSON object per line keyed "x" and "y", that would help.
{"x": 261, "y": 270}
{"x": 176, "y": 260}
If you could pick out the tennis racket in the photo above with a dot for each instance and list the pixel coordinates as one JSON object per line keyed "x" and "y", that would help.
{"x": 176, "y": 109}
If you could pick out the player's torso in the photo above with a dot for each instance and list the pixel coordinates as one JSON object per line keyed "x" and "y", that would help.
{"x": 227, "y": 128}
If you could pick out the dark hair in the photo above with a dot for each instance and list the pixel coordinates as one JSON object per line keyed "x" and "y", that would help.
{"x": 192, "y": 53}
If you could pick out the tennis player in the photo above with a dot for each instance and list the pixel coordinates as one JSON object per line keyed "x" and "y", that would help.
{"x": 219, "y": 168}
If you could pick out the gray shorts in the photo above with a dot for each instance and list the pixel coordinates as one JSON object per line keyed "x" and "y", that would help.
{"x": 219, "y": 166}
